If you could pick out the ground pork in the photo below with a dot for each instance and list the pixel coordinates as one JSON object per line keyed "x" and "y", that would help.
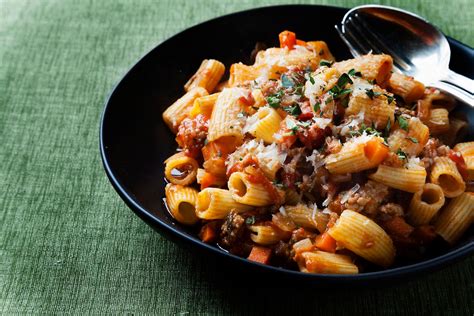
{"x": 366, "y": 199}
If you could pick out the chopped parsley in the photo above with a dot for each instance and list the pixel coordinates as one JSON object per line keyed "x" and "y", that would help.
{"x": 299, "y": 90}
{"x": 324, "y": 62}
{"x": 389, "y": 98}
{"x": 311, "y": 79}
{"x": 372, "y": 94}
{"x": 403, "y": 123}
{"x": 250, "y": 220}
{"x": 413, "y": 140}
{"x": 401, "y": 154}
{"x": 317, "y": 106}
{"x": 354, "y": 73}
{"x": 338, "y": 90}
{"x": 274, "y": 100}
{"x": 293, "y": 110}
{"x": 371, "y": 130}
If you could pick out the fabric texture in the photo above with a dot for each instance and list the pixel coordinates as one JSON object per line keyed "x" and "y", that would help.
{"x": 68, "y": 244}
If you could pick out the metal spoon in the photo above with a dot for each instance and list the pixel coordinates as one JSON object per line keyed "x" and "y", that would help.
{"x": 417, "y": 47}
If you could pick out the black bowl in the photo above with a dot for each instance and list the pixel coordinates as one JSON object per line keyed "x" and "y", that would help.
{"x": 134, "y": 141}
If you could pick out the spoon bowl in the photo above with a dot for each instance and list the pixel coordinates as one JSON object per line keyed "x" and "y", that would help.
{"x": 417, "y": 47}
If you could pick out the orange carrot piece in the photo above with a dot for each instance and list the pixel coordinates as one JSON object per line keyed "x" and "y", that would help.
{"x": 208, "y": 233}
{"x": 376, "y": 151}
{"x": 210, "y": 179}
{"x": 326, "y": 243}
{"x": 287, "y": 39}
{"x": 300, "y": 42}
{"x": 260, "y": 254}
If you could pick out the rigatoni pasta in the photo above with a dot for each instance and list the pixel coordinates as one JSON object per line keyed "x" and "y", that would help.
{"x": 328, "y": 167}
{"x": 425, "y": 204}
{"x": 456, "y": 218}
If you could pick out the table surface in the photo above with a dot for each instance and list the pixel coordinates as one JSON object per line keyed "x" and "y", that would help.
{"x": 68, "y": 244}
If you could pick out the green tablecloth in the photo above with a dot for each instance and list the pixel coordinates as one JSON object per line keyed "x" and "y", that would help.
{"x": 68, "y": 244}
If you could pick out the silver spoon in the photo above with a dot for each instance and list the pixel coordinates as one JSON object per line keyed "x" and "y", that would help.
{"x": 417, "y": 47}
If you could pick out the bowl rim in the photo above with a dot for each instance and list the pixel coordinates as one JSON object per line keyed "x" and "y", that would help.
{"x": 432, "y": 264}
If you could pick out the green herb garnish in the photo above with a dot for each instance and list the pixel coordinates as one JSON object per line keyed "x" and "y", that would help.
{"x": 403, "y": 123}
{"x": 401, "y": 154}
{"x": 250, "y": 220}
{"x": 372, "y": 94}
{"x": 413, "y": 140}
{"x": 274, "y": 100}
{"x": 317, "y": 107}
{"x": 293, "y": 110}
{"x": 324, "y": 62}
{"x": 354, "y": 73}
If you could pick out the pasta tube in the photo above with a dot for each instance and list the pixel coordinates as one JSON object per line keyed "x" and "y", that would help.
{"x": 207, "y": 76}
{"x": 377, "y": 110}
{"x": 356, "y": 155}
{"x": 409, "y": 180}
{"x": 364, "y": 237}
{"x": 204, "y": 105}
{"x": 178, "y": 111}
{"x": 469, "y": 160}
{"x": 372, "y": 67}
{"x": 425, "y": 204}
{"x": 328, "y": 263}
{"x": 445, "y": 174}
{"x": 456, "y": 218}
{"x": 406, "y": 87}
{"x": 215, "y": 203}
{"x": 266, "y": 235}
{"x": 307, "y": 217}
{"x": 248, "y": 193}
{"x": 181, "y": 169}
{"x": 457, "y": 130}
{"x": 181, "y": 203}
{"x": 439, "y": 121}
{"x": 225, "y": 119}
{"x": 466, "y": 149}
{"x": 264, "y": 124}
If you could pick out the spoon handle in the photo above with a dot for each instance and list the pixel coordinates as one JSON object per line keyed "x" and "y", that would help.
{"x": 457, "y": 92}
{"x": 460, "y": 81}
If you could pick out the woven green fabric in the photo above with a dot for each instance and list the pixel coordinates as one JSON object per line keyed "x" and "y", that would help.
{"x": 68, "y": 244}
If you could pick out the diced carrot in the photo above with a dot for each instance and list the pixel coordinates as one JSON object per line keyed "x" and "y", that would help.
{"x": 208, "y": 233}
{"x": 300, "y": 42}
{"x": 287, "y": 39}
{"x": 326, "y": 243}
{"x": 398, "y": 227}
{"x": 209, "y": 179}
{"x": 260, "y": 254}
{"x": 375, "y": 151}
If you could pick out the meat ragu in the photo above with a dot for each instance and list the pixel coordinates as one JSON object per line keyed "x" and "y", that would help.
{"x": 316, "y": 165}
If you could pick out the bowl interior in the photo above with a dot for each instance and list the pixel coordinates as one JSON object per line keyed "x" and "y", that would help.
{"x": 134, "y": 139}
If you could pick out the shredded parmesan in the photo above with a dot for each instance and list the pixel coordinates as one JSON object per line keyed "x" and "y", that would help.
{"x": 315, "y": 159}
{"x": 282, "y": 210}
{"x": 321, "y": 122}
{"x": 360, "y": 86}
{"x": 349, "y": 193}
{"x": 269, "y": 157}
